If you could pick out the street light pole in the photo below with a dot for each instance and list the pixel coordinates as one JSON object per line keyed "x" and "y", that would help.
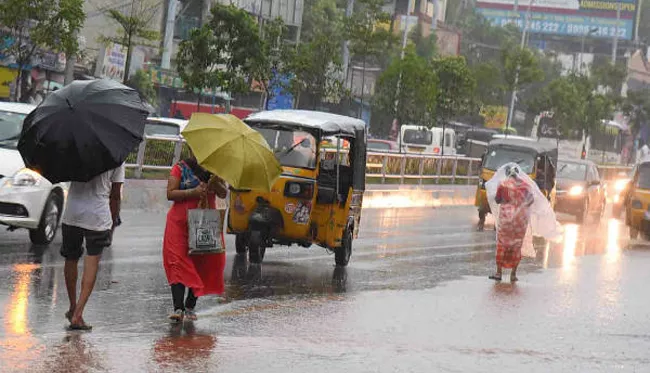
{"x": 582, "y": 45}
{"x": 516, "y": 82}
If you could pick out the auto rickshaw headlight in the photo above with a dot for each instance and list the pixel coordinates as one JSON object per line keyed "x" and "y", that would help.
{"x": 299, "y": 190}
{"x": 481, "y": 183}
{"x": 636, "y": 204}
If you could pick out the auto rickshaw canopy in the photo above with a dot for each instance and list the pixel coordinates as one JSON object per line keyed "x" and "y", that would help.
{"x": 541, "y": 148}
{"x": 326, "y": 124}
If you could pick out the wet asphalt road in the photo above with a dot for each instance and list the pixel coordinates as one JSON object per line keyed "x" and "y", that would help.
{"x": 415, "y": 298}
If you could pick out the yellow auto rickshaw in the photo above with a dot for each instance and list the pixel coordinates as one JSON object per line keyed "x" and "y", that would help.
{"x": 637, "y": 202}
{"x": 318, "y": 197}
{"x": 537, "y": 159}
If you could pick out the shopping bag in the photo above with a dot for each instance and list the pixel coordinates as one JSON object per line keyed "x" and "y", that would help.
{"x": 205, "y": 232}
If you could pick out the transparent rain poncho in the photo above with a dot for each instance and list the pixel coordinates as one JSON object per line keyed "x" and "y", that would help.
{"x": 542, "y": 223}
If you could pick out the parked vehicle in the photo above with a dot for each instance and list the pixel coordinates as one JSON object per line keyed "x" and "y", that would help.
{"x": 382, "y": 146}
{"x": 27, "y": 200}
{"x": 580, "y": 191}
{"x": 318, "y": 197}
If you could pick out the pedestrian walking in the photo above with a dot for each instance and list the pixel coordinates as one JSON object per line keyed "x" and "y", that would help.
{"x": 514, "y": 197}
{"x": 199, "y": 275}
{"x": 91, "y": 215}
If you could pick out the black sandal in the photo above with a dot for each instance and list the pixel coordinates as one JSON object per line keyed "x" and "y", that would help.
{"x": 495, "y": 277}
{"x": 81, "y": 327}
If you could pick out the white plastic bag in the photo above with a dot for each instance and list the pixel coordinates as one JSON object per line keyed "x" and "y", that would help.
{"x": 205, "y": 232}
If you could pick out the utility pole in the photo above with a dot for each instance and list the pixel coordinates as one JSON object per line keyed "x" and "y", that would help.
{"x": 168, "y": 41}
{"x": 513, "y": 97}
{"x": 346, "y": 43}
{"x": 615, "y": 43}
{"x": 407, "y": 20}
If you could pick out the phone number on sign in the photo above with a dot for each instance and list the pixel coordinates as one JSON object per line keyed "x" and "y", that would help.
{"x": 550, "y": 27}
{"x": 605, "y": 31}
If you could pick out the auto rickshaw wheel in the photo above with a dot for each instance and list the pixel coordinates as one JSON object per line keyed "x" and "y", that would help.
{"x": 241, "y": 244}
{"x": 256, "y": 248}
{"x": 342, "y": 254}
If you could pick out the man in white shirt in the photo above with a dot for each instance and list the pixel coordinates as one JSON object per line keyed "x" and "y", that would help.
{"x": 91, "y": 214}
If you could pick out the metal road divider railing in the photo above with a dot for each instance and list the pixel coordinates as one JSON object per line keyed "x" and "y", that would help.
{"x": 160, "y": 153}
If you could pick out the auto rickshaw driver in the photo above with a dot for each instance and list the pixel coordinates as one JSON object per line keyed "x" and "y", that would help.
{"x": 294, "y": 152}
{"x": 545, "y": 176}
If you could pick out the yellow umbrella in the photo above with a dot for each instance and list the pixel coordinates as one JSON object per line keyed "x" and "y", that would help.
{"x": 227, "y": 147}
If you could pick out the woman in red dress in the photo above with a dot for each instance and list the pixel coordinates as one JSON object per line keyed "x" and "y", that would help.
{"x": 514, "y": 197}
{"x": 203, "y": 274}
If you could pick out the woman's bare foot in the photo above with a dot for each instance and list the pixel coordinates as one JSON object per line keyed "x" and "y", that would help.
{"x": 513, "y": 278}
{"x": 78, "y": 323}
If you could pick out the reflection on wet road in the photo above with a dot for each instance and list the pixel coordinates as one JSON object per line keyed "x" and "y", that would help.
{"x": 414, "y": 298}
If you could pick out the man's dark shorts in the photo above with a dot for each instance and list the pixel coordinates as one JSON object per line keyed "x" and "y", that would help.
{"x": 73, "y": 239}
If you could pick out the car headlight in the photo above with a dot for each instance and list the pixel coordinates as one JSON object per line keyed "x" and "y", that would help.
{"x": 26, "y": 178}
{"x": 576, "y": 191}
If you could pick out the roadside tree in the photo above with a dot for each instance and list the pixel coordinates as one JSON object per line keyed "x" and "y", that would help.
{"x": 34, "y": 26}
{"x": 135, "y": 28}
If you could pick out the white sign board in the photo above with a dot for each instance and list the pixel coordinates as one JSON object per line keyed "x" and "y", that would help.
{"x": 112, "y": 62}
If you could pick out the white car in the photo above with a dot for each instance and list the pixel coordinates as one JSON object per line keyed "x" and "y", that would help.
{"x": 164, "y": 127}
{"x": 27, "y": 200}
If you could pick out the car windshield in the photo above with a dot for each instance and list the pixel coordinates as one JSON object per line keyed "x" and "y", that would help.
{"x": 498, "y": 157}
{"x": 10, "y": 126}
{"x": 291, "y": 148}
{"x": 161, "y": 129}
{"x": 418, "y": 137}
{"x": 644, "y": 177}
{"x": 572, "y": 171}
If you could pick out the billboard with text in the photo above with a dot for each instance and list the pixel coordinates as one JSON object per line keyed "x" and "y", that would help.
{"x": 565, "y": 17}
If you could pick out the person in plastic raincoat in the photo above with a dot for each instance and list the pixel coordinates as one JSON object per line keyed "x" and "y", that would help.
{"x": 522, "y": 210}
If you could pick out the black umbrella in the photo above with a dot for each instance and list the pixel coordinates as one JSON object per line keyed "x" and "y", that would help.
{"x": 83, "y": 130}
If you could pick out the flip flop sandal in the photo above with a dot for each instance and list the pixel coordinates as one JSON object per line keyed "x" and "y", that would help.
{"x": 82, "y": 327}
{"x": 495, "y": 277}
